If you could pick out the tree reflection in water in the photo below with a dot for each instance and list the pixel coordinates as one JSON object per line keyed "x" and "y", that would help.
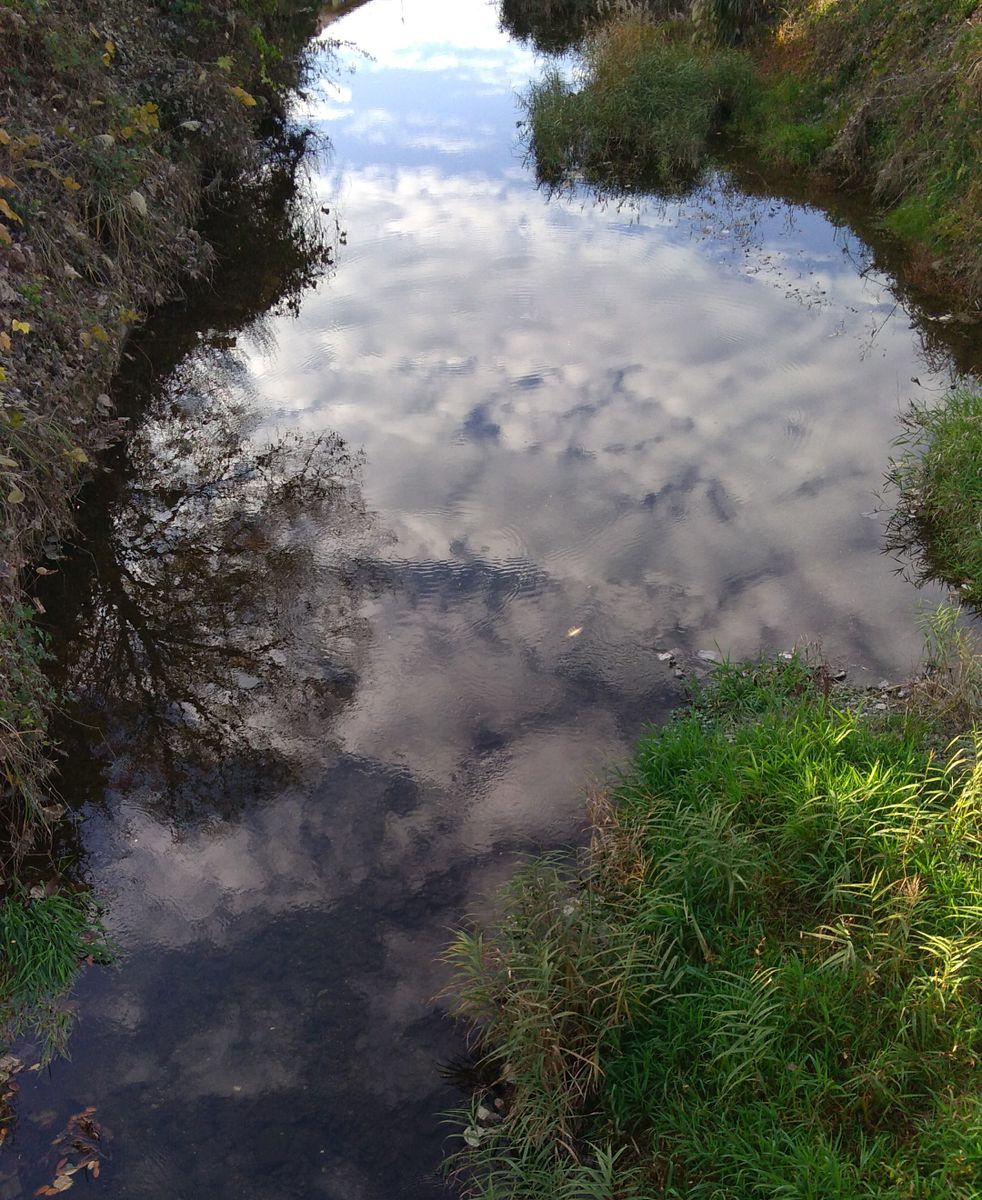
{"x": 207, "y": 609}
{"x": 202, "y": 630}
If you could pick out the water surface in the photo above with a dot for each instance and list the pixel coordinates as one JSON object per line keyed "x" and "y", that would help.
{"x": 383, "y": 587}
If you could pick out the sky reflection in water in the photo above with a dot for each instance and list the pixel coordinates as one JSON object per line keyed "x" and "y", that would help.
{"x": 661, "y": 427}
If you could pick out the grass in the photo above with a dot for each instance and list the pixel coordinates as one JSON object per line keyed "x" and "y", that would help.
{"x": 45, "y": 939}
{"x": 648, "y": 106}
{"x": 763, "y": 980}
{"x": 879, "y": 94}
{"x": 937, "y": 480}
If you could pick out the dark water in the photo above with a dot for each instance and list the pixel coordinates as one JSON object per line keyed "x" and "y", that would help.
{"x": 381, "y": 586}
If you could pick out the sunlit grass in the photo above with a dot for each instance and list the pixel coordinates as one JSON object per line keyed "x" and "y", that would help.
{"x": 762, "y": 981}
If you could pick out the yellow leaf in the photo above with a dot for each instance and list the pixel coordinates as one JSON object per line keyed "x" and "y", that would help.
{"x": 30, "y": 142}
{"x": 77, "y": 454}
{"x": 150, "y": 107}
{"x": 107, "y": 59}
{"x": 129, "y": 315}
{"x": 126, "y": 131}
{"x": 224, "y": 63}
{"x": 5, "y": 238}
{"x": 71, "y": 183}
{"x": 20, "y": 326}
{"x": 99, "y": 333}
{"x": 15, "y": 496}
{"x": 110, "y": 46}
{"x": 4, "y": 138}
{"x": 85, "y": 338}
{"x": 8, "y": 212}
{"x": 95, "y": 102}
{"x": 5, "y": 342}
{"x": 243, "y": 97}
{"x": 3, "y": 374}
{"x": 8, "y": 183}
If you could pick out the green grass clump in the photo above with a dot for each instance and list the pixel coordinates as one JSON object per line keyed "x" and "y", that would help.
{"x": 762, "y": 981}
{"x": 43, "y": 942}
{"x": 644, "y": 112}
{"x": 938, "y": 481}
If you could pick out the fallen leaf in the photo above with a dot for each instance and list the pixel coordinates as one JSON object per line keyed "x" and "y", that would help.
{"x": 191, "y": 126}
{"x": 20, "y": 326}
{"x": 8, "y": 462}
{"x": 44, "y": 571}
{"x": 224, "y": 63}
{"x": 243, "y": 97}
{"x": 61, "y": 1183}
{"x": 4, "y": 138}
{"x": 5, "y": 237}
{"x": 5, "y": 342}
{"x": 3, "y": 374}
{"x": 8, "y": 183}
{"x": 77, "y": 454}
{"x": 9, "y": 213}
{"x": 99, "y": 333}
{"x": 15, "y": 496}
{"x": 575, "y": 631}
{"x": 105, "y": 140}
{"x": 71, "y": 183}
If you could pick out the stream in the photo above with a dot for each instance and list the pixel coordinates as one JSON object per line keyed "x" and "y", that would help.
{"x": 386, "y": 579}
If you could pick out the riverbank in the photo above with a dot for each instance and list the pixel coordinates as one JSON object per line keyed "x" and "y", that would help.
{"x": 763, "y": 976}
{"x": 881, "y": 96}
{"x": 120, "y": 124}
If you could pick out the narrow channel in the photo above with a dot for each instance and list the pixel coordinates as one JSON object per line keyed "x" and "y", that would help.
{"x": 389, "y": 581}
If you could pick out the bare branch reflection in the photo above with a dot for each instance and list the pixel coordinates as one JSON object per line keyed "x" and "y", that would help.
{"x": 203, "y": 588}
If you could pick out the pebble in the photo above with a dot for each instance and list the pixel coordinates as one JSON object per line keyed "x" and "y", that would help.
{"x": 679, "y": 674}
